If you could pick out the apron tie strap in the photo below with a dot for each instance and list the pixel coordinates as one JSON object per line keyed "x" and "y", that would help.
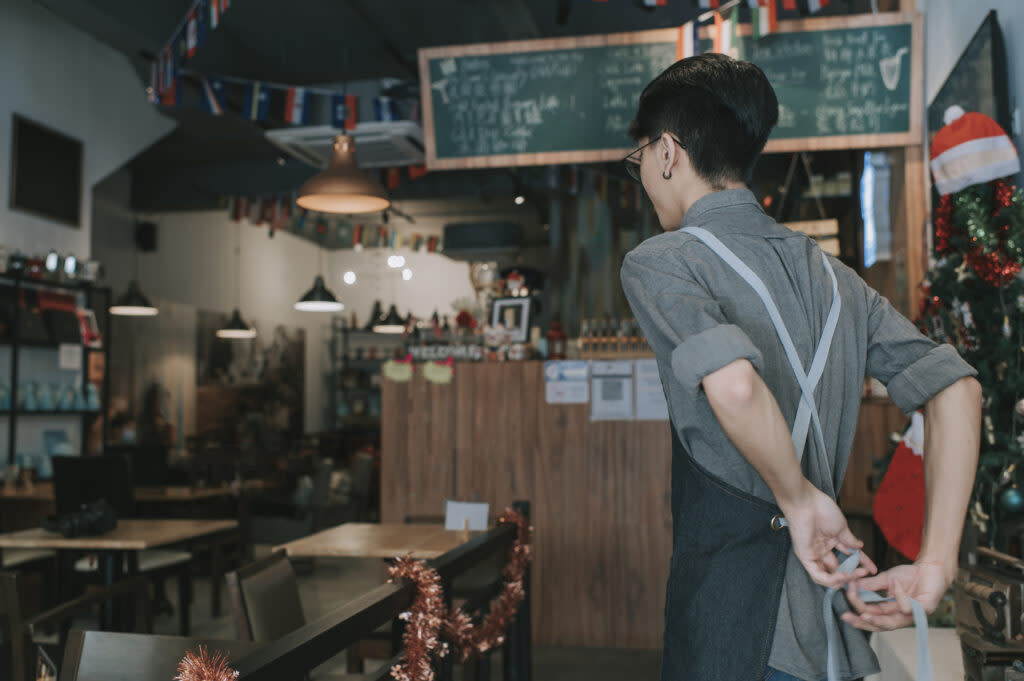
{"x": 924, "y": 663}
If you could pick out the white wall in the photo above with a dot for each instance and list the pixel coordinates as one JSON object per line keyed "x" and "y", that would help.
{"x": 949, "y": 26}
{"x": 194, "y": 264}
{"x": 61, "y": 77}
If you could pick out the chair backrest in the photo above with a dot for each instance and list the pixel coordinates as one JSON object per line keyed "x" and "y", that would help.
{"x": 149, "y": 463}
{"x": 79, "y": 480}
{"x": 322, "y": 471}
{"x": 265, "y": 599}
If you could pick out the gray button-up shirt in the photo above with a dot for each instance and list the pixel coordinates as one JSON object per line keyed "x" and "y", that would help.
{"x": 699, "y": 315}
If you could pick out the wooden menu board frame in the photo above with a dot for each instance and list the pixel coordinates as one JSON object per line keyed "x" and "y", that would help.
{"x": 670, "y": 35}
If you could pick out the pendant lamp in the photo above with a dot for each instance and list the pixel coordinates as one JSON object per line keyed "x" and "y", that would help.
{"x": 133, "y": 303}
{"x": 236, "y": 328}
{"x": 319, "y": 299}
{"x": 390, "y": 323}
{"x": 342, "y": 187}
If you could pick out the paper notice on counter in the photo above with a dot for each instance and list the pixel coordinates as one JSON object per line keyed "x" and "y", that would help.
{"x": 465, "y": 515}
{"x": 650, "y": 397}
{"x": 567, "y": 382}
{"x": 612, "y": 388}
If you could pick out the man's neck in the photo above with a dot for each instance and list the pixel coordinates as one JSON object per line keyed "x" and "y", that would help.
{"x": 694, "y": 192}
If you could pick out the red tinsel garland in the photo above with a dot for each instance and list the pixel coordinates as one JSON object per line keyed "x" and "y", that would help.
{"x": 431, "y": 618}
{"x": 200, "y": 665}
{"x": 997, "y": 268}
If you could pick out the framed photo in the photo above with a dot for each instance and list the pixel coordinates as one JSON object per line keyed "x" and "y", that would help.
{"x": 514, "y": 314}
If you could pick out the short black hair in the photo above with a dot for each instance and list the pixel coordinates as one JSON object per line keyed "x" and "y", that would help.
{"x": 721, "y": 109}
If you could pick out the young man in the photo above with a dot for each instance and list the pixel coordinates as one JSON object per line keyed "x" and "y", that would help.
{"x": 763, "y": 344}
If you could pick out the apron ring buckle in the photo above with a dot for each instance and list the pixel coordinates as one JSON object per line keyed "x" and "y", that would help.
{"x": 778, "y": 522}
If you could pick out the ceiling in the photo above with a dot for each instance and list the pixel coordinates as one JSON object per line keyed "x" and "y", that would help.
{"x": 307, "y": 42}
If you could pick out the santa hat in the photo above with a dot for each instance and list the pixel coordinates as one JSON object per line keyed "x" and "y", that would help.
{"x": 970, "y": 148}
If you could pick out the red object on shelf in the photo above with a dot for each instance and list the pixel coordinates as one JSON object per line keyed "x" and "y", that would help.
{"x": 556, "y": 341}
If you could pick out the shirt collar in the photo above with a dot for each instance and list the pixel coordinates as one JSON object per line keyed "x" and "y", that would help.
{"x": 728, "y": 198}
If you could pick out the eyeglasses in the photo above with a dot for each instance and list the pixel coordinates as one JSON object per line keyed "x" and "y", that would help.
{"x": 632, "y": 161}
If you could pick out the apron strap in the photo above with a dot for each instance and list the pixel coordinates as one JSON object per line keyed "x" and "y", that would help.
{"x": 807, "y": 411}
{"x": 924, "y": 663}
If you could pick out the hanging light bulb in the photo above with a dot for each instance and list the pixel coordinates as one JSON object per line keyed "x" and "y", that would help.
{"x": 133, "y": 303}
{"x": 319, "y": 299}
{"x": 349, "y": 277}
{"x": 407, "y": 274}
{"x": 342, "y": 187}
{"x": 236, "y": 328}
{"x": 396, "y": 261}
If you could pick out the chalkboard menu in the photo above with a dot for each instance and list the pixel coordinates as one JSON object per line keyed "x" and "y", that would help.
{"x": 841, "y": 83}
{"x": 852, "y": 81}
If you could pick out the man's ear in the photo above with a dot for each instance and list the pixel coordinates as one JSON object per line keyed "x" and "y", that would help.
{"x": 669, "y": 152}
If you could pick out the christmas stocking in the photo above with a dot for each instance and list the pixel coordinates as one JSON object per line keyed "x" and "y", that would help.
{"x": 899, "y": 502}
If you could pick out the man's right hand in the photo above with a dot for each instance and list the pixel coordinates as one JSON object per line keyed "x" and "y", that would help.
{"x": 817, "y": 528}
{"x": 925, "y": 582}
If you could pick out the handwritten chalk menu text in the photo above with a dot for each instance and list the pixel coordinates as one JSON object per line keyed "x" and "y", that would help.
{"x": 549, "y": 101}
{"x": 558, "y": 101}
{"x": 839, "y": 82}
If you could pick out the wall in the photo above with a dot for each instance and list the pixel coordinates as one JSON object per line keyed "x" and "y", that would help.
{"x": 949, "y": 26}
{"x": 59, "y": 76}
{"x": 194, "y": 265}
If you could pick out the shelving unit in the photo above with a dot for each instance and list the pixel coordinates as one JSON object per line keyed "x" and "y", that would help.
{"x": 25, "y": 357}
{"x": 353, "y": 382}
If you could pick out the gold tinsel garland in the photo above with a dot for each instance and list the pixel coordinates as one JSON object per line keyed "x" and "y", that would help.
{"x": 428, "y": 618}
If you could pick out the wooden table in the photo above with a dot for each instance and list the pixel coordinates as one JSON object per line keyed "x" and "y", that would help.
{"x": 130, "y": 536}
{"x": 40, "y": 491}
{"x": 108, "y": 656}
{"x": 377, "y": 540}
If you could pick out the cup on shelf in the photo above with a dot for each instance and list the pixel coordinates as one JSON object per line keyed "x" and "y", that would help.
{"x": 27, "y": 398}
{"x": 45, "y": 400}
{"x": 66, "y": 397}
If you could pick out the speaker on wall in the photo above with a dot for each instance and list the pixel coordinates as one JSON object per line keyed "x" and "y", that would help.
{"x": 145, "y": 236}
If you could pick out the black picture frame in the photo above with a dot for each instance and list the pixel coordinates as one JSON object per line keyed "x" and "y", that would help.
{"x": 514, "y": 314}
{"x": 46, "y": 172}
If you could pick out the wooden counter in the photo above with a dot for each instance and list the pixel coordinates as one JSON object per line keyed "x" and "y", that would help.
{"x": 600, "y": 492}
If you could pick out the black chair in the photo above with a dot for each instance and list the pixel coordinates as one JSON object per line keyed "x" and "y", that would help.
{"x": 79, "y": 480}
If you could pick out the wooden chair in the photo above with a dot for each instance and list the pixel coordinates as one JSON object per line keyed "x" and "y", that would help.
{"x": 265, "y": 602}
{"x": 20, "y": 630}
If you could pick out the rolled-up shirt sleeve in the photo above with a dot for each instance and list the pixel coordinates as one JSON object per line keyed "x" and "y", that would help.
{"x": 681, "y": 320}
{"x": 913, "y": 368}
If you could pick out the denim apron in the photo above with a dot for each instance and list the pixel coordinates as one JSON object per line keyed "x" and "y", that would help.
{"x": 729, "y": 551}
{"x": 729, "y": 547}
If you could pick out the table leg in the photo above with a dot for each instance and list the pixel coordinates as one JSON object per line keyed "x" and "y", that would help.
{"x": 216, "y": 573}
{"x": 184, "y": 599}
{"x": 111, "y": 565}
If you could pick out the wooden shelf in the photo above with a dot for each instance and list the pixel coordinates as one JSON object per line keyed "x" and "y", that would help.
{"x": 49, "y": 412}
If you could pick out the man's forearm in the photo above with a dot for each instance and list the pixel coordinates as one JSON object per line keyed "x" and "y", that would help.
{"x": 952, "y": 428}
{"x": 751, "y": 418}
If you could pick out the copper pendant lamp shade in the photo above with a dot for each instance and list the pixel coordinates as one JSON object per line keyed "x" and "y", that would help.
{"x": 342, "y": 187}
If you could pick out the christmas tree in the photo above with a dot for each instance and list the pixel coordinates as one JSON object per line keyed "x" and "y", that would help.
{"x": 974, "y": 296}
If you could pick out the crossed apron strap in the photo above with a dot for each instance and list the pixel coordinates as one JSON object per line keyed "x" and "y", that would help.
{"x": 807, "y": 410}
{"x": 806, "y": 413}
{"x": 924, "y": 664}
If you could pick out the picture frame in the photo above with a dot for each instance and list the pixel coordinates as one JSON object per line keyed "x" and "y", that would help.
{"x": 514, "y": 314}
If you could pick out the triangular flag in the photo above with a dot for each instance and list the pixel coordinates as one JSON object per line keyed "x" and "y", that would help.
{"x": 416, "y": 172}
{"x": 256, "y": 102}
{"x": 708, "y": 4}
{"x": 727, "y": 35}
{"x": 215, "y": 14}
{"x": 789, "y": 5}
{"x": 191, "y": 34}
{"x": 717, "y": 34}
{"x": 213, "y": 96}
{"x": 351, "y": 112}
{"x": 685, "y": 41}
{"x": 816, "y": 5}
{"x": 171, "y": 96}
{"x": 296, "y": 106}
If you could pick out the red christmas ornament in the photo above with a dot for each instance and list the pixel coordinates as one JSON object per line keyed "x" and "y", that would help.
{"x": 944, "y": 225}
{"x": 998, "y": 268}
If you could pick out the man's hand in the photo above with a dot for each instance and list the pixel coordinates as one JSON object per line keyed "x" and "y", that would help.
{"x": 924, "y": 582}
{"x": 817, "y": 526}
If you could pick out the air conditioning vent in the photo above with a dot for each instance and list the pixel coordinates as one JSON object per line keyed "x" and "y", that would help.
{"x": 379, "y": 144}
